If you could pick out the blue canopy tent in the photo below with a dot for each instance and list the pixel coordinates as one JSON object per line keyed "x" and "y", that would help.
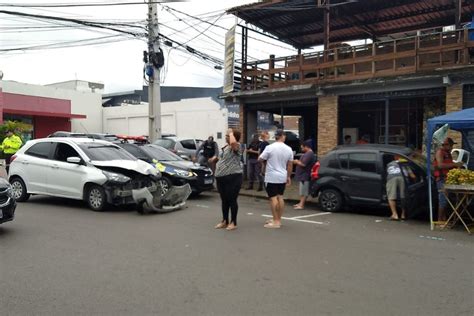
{"x": 462, "y": 121}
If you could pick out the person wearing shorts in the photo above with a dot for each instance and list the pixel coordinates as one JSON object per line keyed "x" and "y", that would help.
{"x": 278, "y": 165}
{"x": 303, "y": 172}
{"x": 396, "y": 187}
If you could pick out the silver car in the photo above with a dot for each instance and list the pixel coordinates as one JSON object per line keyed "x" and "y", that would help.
{"x": 183, "y": 147}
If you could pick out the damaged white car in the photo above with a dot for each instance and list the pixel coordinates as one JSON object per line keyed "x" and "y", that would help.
{"x": 97, "y": 172}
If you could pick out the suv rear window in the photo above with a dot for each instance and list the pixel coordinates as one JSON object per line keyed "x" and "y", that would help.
{"x": 366, "y": 162}
{"x": 188, "y": 144}
{"x": 40, "y": 150}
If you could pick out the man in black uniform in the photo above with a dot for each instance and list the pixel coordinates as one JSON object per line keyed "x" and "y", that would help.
{"x": 207, "y": 152}
{"x": 253, "y": 169}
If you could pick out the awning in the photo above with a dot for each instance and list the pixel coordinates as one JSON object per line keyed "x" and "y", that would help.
{"x": 47, "y": 114}
{"x": 300, "y": 23}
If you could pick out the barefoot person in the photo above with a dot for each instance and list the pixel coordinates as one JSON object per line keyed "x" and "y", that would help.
{"x": 229, "y": 178}
{"x": 278, "y": 164}
{"x": 396, "y": 183}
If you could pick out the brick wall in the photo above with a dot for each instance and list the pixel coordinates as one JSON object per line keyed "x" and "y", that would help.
{"x": 328, "y": 120}
{"x": 454, "y": 102}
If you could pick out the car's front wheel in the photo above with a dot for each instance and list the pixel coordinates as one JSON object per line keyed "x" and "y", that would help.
{"x": 96, "y": 198}
{"x": 164, "y": 185}
{"x": 19, "y": 190}
{"x": 330, "y": 200}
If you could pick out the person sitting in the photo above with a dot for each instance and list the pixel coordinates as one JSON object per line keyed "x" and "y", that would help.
{"x": 347, "y": 140}
{"x": 365, "y": 139}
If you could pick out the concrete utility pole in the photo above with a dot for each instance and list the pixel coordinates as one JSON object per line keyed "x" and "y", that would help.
{"x": 154, "y": 96}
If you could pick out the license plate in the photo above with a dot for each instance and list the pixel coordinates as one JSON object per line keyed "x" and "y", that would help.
{"x": 208, "y": 181}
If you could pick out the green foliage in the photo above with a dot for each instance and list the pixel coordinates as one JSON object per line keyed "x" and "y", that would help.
{"x": 18, "y": 127}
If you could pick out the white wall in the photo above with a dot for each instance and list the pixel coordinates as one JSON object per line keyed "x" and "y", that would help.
{"x": 82, "y": 102}
{"x": 194, "y": 118}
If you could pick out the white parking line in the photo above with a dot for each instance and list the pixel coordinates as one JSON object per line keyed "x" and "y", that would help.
{"x": 297, "y": 220}
{"x": 202, "y": 206}
{"x": 311, "y": 215}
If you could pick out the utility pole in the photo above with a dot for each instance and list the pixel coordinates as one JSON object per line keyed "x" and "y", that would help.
{"x": 154, "y": 95}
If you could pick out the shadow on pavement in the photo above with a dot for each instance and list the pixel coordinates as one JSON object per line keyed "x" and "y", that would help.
{"x": 75, "y": 204}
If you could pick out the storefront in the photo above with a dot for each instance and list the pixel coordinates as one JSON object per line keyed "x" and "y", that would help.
{"x": 394, "y": 118}
{"x": 45, "y": 115}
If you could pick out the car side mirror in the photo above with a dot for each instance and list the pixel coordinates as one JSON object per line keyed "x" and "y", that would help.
{"x": 74, "y": 160}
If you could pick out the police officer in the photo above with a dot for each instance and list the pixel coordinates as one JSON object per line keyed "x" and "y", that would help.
{"x": 253, "y": 166}
{"x": 207, "y": 152}
{"x": 10, "y": 145}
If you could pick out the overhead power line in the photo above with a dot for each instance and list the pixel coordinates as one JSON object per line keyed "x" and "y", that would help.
{"x": 72, "y": 5}
{"x": 102, "y": 25}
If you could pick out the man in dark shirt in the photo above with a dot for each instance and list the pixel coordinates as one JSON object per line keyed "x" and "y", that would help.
{"x": 253, "y": 168}
{"x": 207, "y": 152}
{"x": 263, "y": 144}
{"x": 303, "y": 172}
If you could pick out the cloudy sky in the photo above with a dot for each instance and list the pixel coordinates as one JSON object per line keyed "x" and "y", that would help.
{"x": 118, "y": 63}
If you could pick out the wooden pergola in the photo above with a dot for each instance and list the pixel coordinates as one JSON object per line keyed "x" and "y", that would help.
{"x": 308, "y": 23}
{"x": 407, "y": 38}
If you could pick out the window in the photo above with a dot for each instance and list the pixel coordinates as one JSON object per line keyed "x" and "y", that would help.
{"x": 363, "y": 162}
{"x": 134, "y": 150}
{"x": 344, "y": 160}
{"x": 101, "y": 152}
{"x": 64, "y": 151}
{"x": 188, "y": 144}
{"x": 166, "y": 143}
{"x": 40, "y": 150}
{"x": 160, "y": 153}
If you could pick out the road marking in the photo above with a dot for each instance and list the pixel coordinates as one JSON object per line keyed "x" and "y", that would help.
{"x": 311, "y": 215}
{"x": 203, "y": 206}
{"x": 297, "y": 220}
{"x": 249, "y": 213}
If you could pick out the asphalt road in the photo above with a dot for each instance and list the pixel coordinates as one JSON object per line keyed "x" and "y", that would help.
{"x": 59, "y": 258}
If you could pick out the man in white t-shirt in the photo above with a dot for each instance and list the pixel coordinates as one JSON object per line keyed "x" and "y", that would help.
{"x": 278, "y": 164}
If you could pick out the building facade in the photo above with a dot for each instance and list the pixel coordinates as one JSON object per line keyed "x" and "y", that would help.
{"x": 417, "y": 61}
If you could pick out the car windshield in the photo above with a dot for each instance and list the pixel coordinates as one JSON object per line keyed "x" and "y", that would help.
{"x": 166, "y": 143}
{"x": 160, "y": 154}
{"x": 111, "y": 138}
{"x": 104, "y": 152}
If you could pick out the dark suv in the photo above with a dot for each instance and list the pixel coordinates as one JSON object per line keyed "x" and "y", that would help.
{"x": 356, "y": 175}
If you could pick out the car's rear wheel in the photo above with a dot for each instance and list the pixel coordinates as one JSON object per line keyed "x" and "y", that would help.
{"x": 19, "y": 190}
{"x": 164, "y": 185}
{"x": 96, "y": 198}
{"x": 330, "y": 200}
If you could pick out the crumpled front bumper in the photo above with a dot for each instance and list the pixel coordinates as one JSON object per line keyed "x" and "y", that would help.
{"x": 172, "y": 200}
{"x": 118, "y": 194}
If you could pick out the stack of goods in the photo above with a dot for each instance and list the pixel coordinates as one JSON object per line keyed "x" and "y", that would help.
{"x": 461, "y": 177}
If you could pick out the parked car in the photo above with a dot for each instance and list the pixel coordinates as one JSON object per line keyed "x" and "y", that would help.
{"x": 356, "y": 175}
{"x": 107, "y": 137}
{"x": 183, "y": 147}
{"x": 7, "y": 202}
{"x": 67, "y": 134}
{"x": 174, "y": 169}
{"x": 95, "y": 171}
